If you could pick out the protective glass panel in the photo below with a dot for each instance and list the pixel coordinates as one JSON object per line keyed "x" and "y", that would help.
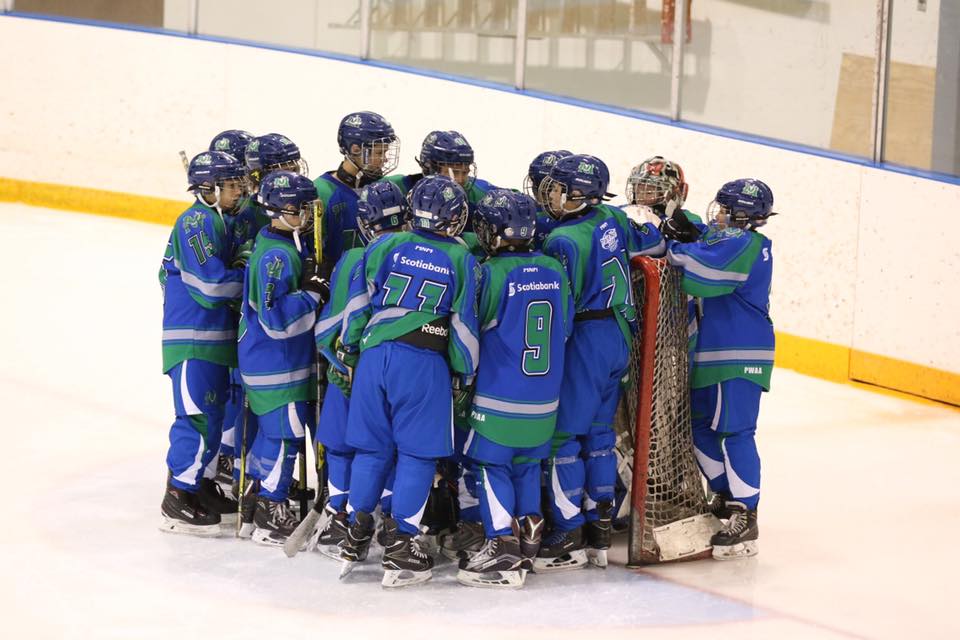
{"x": 922, "y": 126}
{"x": 615, "y": 52}
{"x": 800, "y": 71}
{"x": 475, "y": 39}
{"x": 307, "y": 24}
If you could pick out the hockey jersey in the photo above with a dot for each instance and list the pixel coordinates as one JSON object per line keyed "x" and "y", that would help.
{"x": 411, "y": 281}
{"x": 595, "y": 250}
{"x": 276, "y": 329}
{"x": 526, "y": 316}
{"x": 339, "y": 216}
{"x": 330, "y": 321}
{"x": 731, "y": 270}
{"x": 199, "y": 286}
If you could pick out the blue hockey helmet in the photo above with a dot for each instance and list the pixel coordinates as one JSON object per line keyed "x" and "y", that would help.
{"x": 505, "y": 220}
{"x": 744, "y": 203}
{"x": 273, "y": 152}
{"x": 369, "y": 142}
{"x": 382, "y": 207}
{"x": 209, "y": 172}
{"x": 286, "y": 192}
{"x": 540, "y": 169}
{"x": 232, "y": 141}
{"x": 438, "y": 204}
{"x": 576, "y": 182}
{"x": 447, "y": 153}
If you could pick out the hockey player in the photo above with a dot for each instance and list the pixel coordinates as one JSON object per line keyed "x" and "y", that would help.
{"x": 594, "y": 242}
{"x": 266, "y": 153}
{"x": 273, "y": 152}
{"x": 371, "y": 150}
{"x": 526, "y": 315}
{"x": 199, "y": 339}
{"x": 381, "y": 209}
{"x": 447, "y": 153}
{"x": 730, "y": 269}
{"x": 414, "y": 304}
{"x": 281, "y": 294}
{"x": 659, "y": 185}
{"x": 540, "y": 169}
{"x": 247, "y": 223}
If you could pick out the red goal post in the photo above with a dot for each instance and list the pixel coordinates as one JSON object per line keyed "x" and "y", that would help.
{"x": 669, "y": 516}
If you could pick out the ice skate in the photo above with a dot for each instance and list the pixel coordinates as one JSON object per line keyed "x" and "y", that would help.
{"x": 738, "y": 538}
{"x": 531, "y": 533}
{"x": 464, "y": 542}
{"x": 561, "y": 551}
{"x": 211, "y": 497}
{"x": 224, "y": 475}
{"x": 332, "y": 533}
{"x": 273, "y": 522}
{"x": 356, "y": 544}
{"x": 598, "y": 533}
{"x": 404, "y": 562}
{"x": 182, "y": 513}
{"x": 497, "y": 565}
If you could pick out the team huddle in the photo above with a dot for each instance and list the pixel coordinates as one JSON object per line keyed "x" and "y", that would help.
{"x": 456, "y": 351}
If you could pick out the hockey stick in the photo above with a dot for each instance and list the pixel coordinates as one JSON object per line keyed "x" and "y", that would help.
{"x": 183, "y": 159}
{"x": 242, "y": 485}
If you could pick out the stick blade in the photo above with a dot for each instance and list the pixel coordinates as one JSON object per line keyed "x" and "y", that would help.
{"x": 304, "y": 530}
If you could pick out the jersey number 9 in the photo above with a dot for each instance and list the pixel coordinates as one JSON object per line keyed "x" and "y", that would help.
{"x": 536, "y": 357}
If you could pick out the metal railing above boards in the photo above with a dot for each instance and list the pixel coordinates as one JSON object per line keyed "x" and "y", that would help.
{"x": 876, "y": 82}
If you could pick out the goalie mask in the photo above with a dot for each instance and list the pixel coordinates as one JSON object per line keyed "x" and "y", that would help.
{"x": 576, "y": 183}
{"x": 448, "y": 154}
{"x": 438, "y": 204}
{"x": 505, "y": 221}
{"x": 218, "y": 176}
{"x": 382, "y": 207}
{"x": 659, "y": 184}
{"x": 746, "y": 203}
{"x": 369, "y": 143}
{"x": 273, "y": 152}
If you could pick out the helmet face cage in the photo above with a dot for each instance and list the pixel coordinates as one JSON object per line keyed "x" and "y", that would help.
{"x": 531, "y": 189}
{"x": 554, "y": 196}
{"x": 376, "y": 158}
{"x": 721, "y": 216}
{"x": 463, "y": 173}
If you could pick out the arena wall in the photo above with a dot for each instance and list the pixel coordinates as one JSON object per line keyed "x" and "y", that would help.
{"x": 94, "y": 117}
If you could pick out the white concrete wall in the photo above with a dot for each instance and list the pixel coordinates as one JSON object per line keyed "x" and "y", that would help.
{"x": 858, "y": 260}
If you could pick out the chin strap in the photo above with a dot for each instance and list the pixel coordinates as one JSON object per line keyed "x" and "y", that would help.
{"x": 358, "y": 181}
{"x": 295, "y": 230}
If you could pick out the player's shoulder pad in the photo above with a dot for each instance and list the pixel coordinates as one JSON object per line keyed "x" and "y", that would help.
{"x": 325, "y": 187}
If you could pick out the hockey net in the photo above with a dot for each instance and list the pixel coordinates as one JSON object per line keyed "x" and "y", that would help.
{"x": 669, "y": 516}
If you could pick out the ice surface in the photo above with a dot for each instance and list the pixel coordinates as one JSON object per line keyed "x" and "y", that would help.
{"x": 858, "y": 519}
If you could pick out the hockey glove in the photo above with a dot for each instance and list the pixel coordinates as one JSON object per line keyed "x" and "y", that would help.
{"x": 311, "y": 280}
{"x": 242, "y": 256}
{"x": 341, "y": 380}
{"x": 678, "y": 227}
{"x": 462, "y": 396}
